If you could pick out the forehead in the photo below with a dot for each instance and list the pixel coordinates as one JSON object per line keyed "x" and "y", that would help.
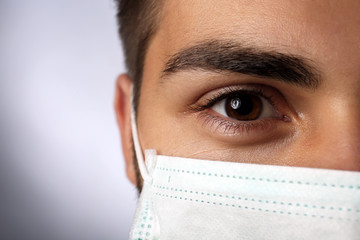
{"x": 327, "y": 32}
{"x": 265, "y": 21}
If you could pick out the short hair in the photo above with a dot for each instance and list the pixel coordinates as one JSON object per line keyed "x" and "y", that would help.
{"x": 137, "y": 22}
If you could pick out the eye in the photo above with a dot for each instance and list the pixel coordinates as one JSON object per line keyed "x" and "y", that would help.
{"x": 245, "y": 106}
{"x": 234, "y": 110}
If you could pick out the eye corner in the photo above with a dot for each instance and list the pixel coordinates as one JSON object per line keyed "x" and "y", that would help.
{"x": 285, "y": 118}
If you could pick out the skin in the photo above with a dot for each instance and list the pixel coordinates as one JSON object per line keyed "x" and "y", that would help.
{"x": 322, "y": 130}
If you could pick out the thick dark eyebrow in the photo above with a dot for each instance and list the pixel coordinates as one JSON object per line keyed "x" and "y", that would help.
{"x": 219, "y": 55}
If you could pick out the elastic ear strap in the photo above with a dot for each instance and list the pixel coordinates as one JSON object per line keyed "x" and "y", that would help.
{"x": 139, "y": 155}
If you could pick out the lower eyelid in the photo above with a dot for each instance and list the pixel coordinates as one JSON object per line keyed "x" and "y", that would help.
{"x": 228, "y": 127}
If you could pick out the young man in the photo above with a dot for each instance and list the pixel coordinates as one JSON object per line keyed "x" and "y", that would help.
{"x": 254, "y": 85}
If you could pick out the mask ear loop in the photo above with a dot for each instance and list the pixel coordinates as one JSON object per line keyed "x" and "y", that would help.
{"x": 138, "y": 152}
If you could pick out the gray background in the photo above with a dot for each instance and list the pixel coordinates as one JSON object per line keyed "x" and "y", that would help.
{"x": 61, "y": 168}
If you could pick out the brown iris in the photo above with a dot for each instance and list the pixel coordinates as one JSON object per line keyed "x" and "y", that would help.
{"x": 243, "y": 107}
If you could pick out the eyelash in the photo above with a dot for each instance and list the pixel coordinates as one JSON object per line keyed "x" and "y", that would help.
{"x": 231, "y": 92}
{"x": 233, "y": 126}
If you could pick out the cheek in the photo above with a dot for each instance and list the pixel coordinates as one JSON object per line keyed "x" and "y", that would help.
{"x": 161, "y": 130}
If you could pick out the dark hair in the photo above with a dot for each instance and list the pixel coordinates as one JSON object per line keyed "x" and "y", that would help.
{"x": 137, "y": 21}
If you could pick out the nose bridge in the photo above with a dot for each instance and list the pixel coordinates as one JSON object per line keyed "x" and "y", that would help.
{"x": 340, "y": 135}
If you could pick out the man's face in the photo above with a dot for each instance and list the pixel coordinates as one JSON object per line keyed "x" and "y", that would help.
{"x": 266, "y": 82}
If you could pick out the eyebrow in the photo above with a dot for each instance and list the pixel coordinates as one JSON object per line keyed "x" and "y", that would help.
{"x": 230, "y": 56}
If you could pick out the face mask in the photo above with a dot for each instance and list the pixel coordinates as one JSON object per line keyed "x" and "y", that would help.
{"x": 186, "y": 199}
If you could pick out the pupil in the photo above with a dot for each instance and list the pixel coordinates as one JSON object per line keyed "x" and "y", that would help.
{"x": 243, "y": 107}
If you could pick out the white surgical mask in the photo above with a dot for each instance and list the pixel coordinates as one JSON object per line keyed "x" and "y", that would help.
{"x": 186, "y": 199}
